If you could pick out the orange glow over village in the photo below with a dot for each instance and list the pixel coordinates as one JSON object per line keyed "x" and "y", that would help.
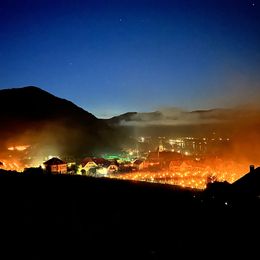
{"x": 189, "y": 173}
{"x": 175, "y": 166}
{"x": 191, "y": 179}
{"x": 12, "y": 165}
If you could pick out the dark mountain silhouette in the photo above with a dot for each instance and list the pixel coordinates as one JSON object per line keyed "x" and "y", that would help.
{"x": 170, "y": 116}
{"x": 31, "y": 115}
{"x": 124, "y": 117}
{"x": 171, "y": 122}
{"x": 34, "y": 103}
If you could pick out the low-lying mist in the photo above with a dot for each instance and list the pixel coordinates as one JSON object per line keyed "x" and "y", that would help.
{"x": 240, "y": 124}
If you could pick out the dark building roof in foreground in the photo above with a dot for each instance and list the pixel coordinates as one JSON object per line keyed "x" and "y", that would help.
{"x": 249, "y": 182}
{"x": 54, "y": 161}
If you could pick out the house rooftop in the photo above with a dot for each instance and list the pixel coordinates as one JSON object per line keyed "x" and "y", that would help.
{"x": 249, "y": 182}
{"x": 54, "y": 161}
{"x": 251, "y": 177}
{"x": 138, "y": 161}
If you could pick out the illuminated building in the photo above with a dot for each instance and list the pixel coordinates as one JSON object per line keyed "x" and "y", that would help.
{"x": 138, "y": 164}
{"x": 161, "y": 159}
{"x": 97, "y": 166}
{"x": 55, "y": 165}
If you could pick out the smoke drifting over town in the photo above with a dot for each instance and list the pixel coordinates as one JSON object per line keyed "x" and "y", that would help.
{"x": 53, "y": 126}
{"x": 178, "y": 117}
{"x": 241, "y": 124}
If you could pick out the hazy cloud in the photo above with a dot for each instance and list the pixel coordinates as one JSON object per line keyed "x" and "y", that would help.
{"x": 176, "y": 117}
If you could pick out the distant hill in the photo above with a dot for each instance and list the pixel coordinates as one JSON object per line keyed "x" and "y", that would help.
{"x": 133, "y": 117}
{"x": 124, "y": 117}
{"x": 172, "y": 116}
{"x": 30, "y": 115}
{"x": 32, "y": 103}
{"x": 171, "y": 122}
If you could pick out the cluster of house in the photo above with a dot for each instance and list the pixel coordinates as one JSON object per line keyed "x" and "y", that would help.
{"x": 157, "y": 160}
{"x": 177, "y": 162}
{"x": 87, "y": 166}
{"x": 99, "y": 166}
{"x": 164, "y": 160}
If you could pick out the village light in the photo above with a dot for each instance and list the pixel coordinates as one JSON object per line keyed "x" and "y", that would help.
{"x": 171, "y": 141}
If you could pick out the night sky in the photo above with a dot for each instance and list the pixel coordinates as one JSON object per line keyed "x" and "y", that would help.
{"x": 110, "y": 57}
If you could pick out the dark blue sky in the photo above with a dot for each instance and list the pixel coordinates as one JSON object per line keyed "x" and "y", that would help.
{"x": 110, "y": 57}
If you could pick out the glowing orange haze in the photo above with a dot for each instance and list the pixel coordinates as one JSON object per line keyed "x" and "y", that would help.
{"x": 242, "y": 125}
{"x": 13, "y": 165}
{"x": 192, "y": 178}
{"x": 219, "y": 170}
{"x": 18, "y": 148}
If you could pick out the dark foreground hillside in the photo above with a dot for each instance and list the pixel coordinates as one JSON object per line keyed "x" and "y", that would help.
{"x": 58, "y": 217}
